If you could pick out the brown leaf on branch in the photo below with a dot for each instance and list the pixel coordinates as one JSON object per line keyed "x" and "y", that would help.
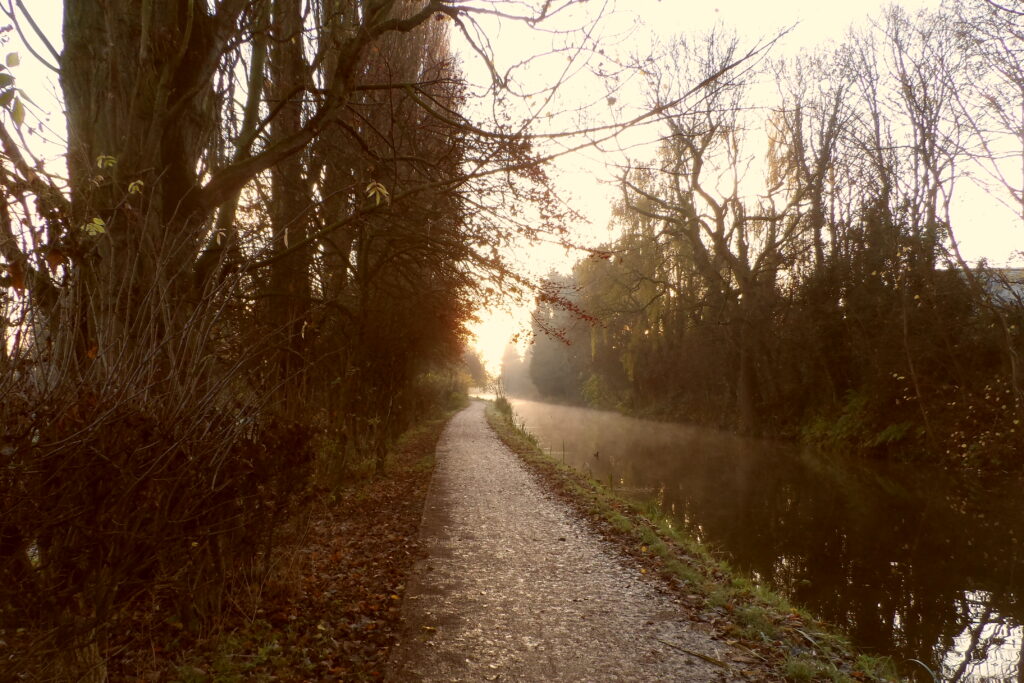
{"x": 55, "y": 258}
{"x": 17, "y": 271}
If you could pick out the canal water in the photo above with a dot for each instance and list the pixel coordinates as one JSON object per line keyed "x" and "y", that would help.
{"x": 910, "y": 561}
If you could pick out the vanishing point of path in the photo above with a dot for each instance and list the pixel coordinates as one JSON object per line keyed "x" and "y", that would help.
{"x": 516, "y": 587}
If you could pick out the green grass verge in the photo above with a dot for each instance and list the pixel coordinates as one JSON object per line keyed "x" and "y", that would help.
{"x": 787, "y": 639}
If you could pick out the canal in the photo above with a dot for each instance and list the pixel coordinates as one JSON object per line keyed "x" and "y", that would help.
{"x": 910, "y": 561}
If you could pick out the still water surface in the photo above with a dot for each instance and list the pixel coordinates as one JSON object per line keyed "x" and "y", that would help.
{"x": 911, "y": 562}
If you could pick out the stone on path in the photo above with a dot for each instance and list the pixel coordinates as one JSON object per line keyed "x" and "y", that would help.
{"x": 516, "y": 587}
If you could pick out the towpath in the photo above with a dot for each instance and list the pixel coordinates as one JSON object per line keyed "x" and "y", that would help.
{"x": 515, "y": 587}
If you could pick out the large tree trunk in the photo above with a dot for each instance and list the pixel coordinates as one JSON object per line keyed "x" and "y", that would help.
{"x": 137, "y": 79}
{"x": 138, "y": 87}
{"x": 289, "y": 275}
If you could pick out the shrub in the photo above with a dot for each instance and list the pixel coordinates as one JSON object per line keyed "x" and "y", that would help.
{"x": 503, "y": 406}
{"x": 135, "y": 484}
{"x": 107, "y": 504}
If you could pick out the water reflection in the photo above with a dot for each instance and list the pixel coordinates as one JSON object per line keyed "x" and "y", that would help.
{"x": 990, "y": 647}
{"x": 910, "y": 561}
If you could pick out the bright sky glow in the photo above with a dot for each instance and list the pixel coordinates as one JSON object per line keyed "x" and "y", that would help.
{"x": 584, "y": 179}
{"x": 46, "y": 129}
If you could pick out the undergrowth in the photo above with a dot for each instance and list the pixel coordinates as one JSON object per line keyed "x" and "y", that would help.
{"x": 786, "y": 639}
{"x": 332, "y": 613}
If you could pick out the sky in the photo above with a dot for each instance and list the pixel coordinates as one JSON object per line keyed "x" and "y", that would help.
{"x": 584, "y": 179}
{"x": 37, "y": 81}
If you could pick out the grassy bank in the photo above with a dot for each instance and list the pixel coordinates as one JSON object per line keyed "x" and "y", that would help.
{"x": 783, "y": 640}
{"x": 330, "y": 610}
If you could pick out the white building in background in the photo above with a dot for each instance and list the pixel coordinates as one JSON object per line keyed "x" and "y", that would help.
{"x": 1005, "y": 285}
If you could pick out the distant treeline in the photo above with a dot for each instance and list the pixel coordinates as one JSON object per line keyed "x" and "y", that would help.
{"x": 787, "y": 262}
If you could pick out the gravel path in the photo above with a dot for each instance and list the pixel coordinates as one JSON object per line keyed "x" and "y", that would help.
{"x": 516, "y": 588}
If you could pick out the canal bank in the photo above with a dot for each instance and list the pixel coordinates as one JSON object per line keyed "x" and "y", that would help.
{"x": 516, "y": 586}
{"x": 911, "y": 563}
{"x": 773, "y": 634}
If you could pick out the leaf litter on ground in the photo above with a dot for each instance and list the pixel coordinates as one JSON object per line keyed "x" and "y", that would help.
{"x": 330, "y": 615}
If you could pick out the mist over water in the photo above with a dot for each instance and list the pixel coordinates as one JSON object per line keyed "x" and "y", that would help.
{"x": 911, "y": 562}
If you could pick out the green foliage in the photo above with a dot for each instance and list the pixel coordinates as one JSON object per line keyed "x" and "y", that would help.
{"x": 859, "y": 426}
{"x": 378, "y": 193}
{"x": 850, "y": 426}
{"x": 598, "y": 394}
{"x": 11, "y": 98}
{"x": 439, "y": 390}
{"x": 18, "y": 112}
{"x": 894, "y": 434}
{"x": 756, "y": 623}
{"x": 474, "y": 367}
{"x": 798, "y": 669}
{"x": 502, "y": 405}
{"x": 97, "y": 226}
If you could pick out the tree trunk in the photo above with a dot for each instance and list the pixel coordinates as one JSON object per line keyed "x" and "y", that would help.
{"x": 137, "y": 81}
{"x": 289, "y": 275}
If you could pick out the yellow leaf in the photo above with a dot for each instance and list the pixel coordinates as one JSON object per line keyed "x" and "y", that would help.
{"x": 377, "y": 192}
{"x": 97, "y": 226}
{"x": 13, "y": 59}
{"x": 18, "y": 112}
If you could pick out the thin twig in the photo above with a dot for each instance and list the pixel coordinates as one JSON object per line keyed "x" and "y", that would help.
{"x": 706, "y": 658}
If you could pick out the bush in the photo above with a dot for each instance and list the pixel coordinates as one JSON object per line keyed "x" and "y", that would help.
{"x": 503, "y": 406}
{"x": 138, "y": 485}
{"x": 597, "y": 393}
{"x": 108, "y": 504}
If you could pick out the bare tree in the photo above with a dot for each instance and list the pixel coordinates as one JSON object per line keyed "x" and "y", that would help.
{"x": 991, "y": 97}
